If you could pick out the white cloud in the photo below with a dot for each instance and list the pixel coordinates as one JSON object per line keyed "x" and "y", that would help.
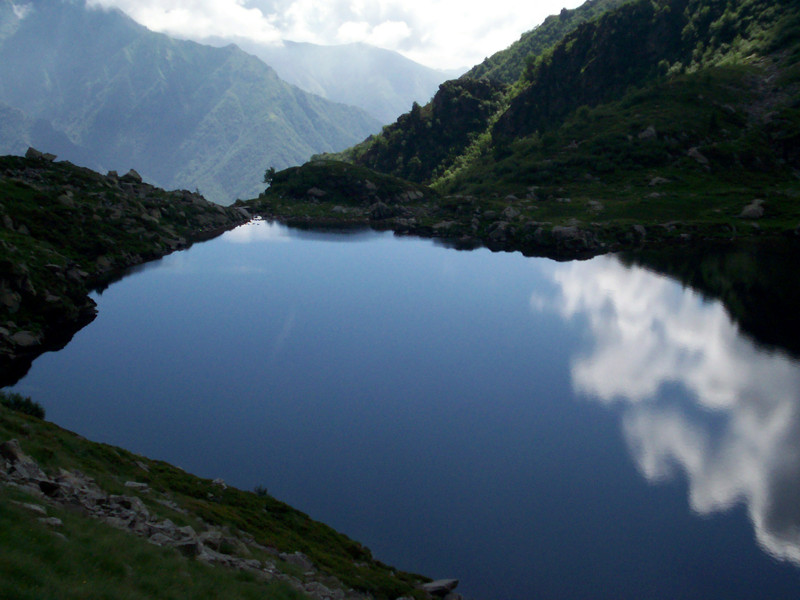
{"x": 21, "y": 10}
{"x": 257, "y": 230}
{"x": 438, "y": 33}
{"x": 389, "y": 34}
{"x": 738, "y": 441}
{"x": 198, "y": 19}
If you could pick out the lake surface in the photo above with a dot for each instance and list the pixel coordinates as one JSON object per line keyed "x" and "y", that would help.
{"x": 535, "y": 429}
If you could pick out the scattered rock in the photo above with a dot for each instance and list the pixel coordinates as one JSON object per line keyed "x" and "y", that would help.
{"x": 444, "y": 226}
{"x": 133, "y": 176}
{"x": 573, "y": 238}
{"x": 696, "y": 155}
{"x": 66, "y": 200}
{"x": 103, "y": 263}
{"x": 648, "y": 133}
{"x": 25, "y": 339}
{"x": 34, "y": 154}
{"x": 754, "y": 210}
{"x": 379, "y": 211}
{"x": 298, "y": 559}
{"x": 658, "y": 181}
{"x": 315, "y": 192}
{"x": 129, "y": 513}
{"x": 137, "y": 485}
{"x": 595, "y": 205}
{"x": 510, "y": 213}
{"x": 36, "y": 508}
{"x": 440, "y": 587}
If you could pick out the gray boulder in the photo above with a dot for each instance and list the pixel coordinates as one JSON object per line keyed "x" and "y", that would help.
{"x": 648, "y": 134}
{"x": 34, "y": 154}
{"x": 754, "y": 210}
{"x": 440, "y": 587}
{"x": 132, "y": 175}
{"x": 698, "y": 156}
{"x": 25, "y": 339}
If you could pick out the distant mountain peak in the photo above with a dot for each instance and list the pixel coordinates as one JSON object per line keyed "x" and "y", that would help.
{"x": 183, "y": 114}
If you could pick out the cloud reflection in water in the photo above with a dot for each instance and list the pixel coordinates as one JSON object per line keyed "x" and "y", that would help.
{"x": 257, "y": 230}
{"x": 733, "y": 427}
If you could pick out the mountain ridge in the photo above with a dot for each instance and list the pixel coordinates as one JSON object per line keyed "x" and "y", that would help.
{"x": 381, "y": 82}
{"x": 184, "y": 114}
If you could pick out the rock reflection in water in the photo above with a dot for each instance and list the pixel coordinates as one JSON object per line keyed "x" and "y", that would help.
{"x": 698, "y": 397}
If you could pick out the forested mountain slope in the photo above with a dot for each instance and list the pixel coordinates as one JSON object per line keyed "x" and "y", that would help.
{"x": 658, "y": 120}
{"x": 508, "y": 64}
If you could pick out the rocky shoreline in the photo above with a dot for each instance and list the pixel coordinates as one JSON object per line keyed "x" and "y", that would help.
{"x": 572, "y": 241}
{"x": 66, "y": 230}
{"x": 328, "y": 194}
{"x": 205, "y": 542}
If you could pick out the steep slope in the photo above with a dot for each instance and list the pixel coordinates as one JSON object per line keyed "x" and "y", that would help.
{"x": 185, "y": 115}
{"x": 424, "y": 144}
{"x": 508, "y": 65}
{"x": 717, "y": 81}
{"x": 424, "y": 141}
{"x": 660, "y": 121}
{"x": 383, "y": 83}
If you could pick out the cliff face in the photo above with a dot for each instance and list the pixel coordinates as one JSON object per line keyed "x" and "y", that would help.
{"x": 65, "y": 230}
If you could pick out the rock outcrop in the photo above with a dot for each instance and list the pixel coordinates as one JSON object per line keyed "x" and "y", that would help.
{"x": 65, "y": 230}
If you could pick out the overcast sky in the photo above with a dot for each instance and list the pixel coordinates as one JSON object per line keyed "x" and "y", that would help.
{"x": 437, "y": 33}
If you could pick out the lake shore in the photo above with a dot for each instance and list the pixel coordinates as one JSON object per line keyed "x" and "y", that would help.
{"x": 67, "y": 231}
{"x": 68, "y": 501}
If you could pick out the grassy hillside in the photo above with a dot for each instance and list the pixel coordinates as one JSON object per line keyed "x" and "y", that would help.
{"x": 85, "y": 520}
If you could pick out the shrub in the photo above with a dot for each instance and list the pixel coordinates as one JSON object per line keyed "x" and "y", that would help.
{"x": 21, "y": 404}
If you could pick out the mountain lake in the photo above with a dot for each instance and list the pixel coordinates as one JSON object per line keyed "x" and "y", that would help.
{"x": 535, "y": 429}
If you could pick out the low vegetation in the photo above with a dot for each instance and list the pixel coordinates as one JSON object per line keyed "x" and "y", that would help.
{"x": 65, "y": 230}
{"x": 83, "y": 557}
{"x": 21, "y": 404}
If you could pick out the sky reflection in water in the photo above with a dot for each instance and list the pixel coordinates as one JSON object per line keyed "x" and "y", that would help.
{"x": 464, "y": 414}
{"x": 738, "y": 440}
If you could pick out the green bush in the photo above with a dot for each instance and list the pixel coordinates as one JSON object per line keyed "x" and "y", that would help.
{"x": 21, "y": 404}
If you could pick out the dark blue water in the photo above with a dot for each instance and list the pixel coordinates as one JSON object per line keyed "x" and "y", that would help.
{"x": 535, "y": 429}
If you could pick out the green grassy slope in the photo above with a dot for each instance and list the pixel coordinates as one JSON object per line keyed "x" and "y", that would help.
{"x": 85, "y": 557}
